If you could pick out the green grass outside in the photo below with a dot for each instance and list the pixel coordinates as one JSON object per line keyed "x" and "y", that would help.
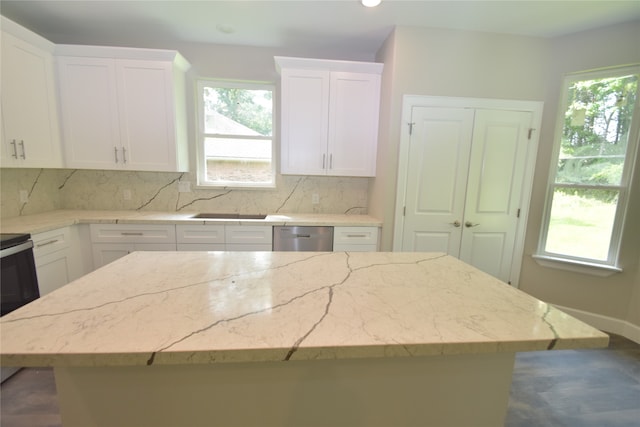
{"x": 580, "y": 226}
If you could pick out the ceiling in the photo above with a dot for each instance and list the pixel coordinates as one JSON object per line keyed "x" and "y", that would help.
{"x": 344, "y": 25}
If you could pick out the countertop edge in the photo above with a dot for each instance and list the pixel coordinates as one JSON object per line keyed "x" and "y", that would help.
{"x": 52, "y": 220}
{"x": 292, "y": 355}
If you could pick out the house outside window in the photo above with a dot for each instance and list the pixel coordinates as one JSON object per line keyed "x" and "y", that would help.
{"x": 235, "y": 134}
{"x": 589, "y": 186}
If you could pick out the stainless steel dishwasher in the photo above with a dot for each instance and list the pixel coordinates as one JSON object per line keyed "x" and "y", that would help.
{"x": 303, "y": 238}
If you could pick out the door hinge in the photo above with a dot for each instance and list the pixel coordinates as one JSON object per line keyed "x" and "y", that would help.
{"x": 411, "y": 127}
{"x": 530, "y": 132}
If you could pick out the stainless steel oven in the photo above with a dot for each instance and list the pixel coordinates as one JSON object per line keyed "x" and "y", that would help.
{"x": 18, "y": 282}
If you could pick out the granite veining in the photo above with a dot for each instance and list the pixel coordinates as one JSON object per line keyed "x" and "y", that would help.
{"x": 79, "y": 189}
{"x": 154, "y": 308}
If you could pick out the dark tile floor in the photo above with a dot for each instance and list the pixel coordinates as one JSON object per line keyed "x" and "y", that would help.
{"x": 564, "y": 388}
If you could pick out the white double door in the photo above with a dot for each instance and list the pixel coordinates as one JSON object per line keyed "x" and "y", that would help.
{"x": 463, "y": 189}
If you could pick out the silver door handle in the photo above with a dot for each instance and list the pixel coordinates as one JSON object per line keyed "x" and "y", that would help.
{"x": 15, "y": 149}
{"x": 124, "y": 155}
{"x": 324, "y": 161}
{"x": 330, "y": 161}
{"x": 50, "y": 242}
{"x": 456, "y": 223}
{"x": 24, "y": 154}
{"x": 469, "y": 224}
{"x": 115, "y": 153}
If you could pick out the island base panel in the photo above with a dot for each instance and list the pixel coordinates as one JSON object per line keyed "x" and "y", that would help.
{"x": 438, "y": 391}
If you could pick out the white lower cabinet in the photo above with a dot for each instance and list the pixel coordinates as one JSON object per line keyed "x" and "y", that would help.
{"x": 104, "y": 253}
{"x": 112, "y": 241}
{"x": 355, "y": 239}
{"x": 58, "y": 257}
{"x": 248, "y": 237}
{"x": 200, "y": 237}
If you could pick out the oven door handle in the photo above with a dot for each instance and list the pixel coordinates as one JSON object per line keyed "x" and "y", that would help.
{"x": 16, "y": 249}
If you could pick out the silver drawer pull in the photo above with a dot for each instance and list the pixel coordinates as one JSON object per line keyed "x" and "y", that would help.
{"x": 130, "y": 233}
{"x": 356, "y": 235}
{"x": 50, "y": 242}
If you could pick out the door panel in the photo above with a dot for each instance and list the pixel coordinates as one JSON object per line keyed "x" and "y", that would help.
{"x": 436, "y": 180}
{"x": 486, "y": 252}
{"x": 434, "y": 242}
{"x": 496, "y": 172}
{"x": 464, "y": 182}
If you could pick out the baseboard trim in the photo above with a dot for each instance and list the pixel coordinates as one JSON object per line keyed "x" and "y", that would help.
{"x": 605, "y": 323}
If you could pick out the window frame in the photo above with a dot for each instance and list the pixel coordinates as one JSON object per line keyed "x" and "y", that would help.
{"x": 578, "y": 264}
{"x": 201, "y": 135}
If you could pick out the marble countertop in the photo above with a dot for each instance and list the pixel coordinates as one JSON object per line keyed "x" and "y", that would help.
{"x": 152, "y": 308}
{"x": 47, "y": 221}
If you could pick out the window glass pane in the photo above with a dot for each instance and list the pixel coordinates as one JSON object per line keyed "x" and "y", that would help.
{"x": 596, "y": 130}
{"x": 238, "y": 160}
{"x": 234, "y": 111}
{"x": 581, "y": 222}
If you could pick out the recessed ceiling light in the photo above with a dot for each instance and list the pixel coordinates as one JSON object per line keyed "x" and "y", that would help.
{"x": 370, "y": 3}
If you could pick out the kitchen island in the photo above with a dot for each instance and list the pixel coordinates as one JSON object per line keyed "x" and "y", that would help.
{"x": 285, "y": 339}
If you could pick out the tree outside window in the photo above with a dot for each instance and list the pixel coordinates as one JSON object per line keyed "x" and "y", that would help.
{"x": 596, "y": 143}
{"x": 236, "y": 134}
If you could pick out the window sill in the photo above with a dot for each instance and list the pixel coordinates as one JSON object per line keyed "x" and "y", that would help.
{"x": 576, "y": 266}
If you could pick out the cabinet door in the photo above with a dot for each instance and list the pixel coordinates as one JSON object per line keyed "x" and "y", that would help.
{"x": 305, "y": 106}
{"x": 104, "y": 253}
{"x": 90, "y": 113}
{"x": 146, "y": 108}
{"x": 249, "y": 235}
{"x": 52, "y": 271}
{"x": 353, "y": 124}
{"x": 51, "y": 252}
{"x": 31, "y": 136}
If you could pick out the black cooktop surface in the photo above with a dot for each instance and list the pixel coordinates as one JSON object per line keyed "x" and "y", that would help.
{"x": 8, "y": 240}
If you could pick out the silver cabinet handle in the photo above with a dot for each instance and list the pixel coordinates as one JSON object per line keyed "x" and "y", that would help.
{"x": 356, "y": 235}
{"x": 15, "y": 149}
{"x": 124, "y": 155}
{"x": 324, "y": 161}
{"x": 130, "y": 233}
{"x": 24, "y": 153}
{"x": 469, "y": 224}
{"x": 456, "y": 223}
{"x": 115, "y": 153}
{"x": 50, "y": 242}
{"x": 330, "y": 161}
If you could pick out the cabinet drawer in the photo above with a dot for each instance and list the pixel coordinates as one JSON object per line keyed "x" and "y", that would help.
{"x": 201, "y": 247}
{"x": 133, "y": 233}
{"x": 200, "y": 234}
{"x": 249, "y": 234}
{"x": 51, "y": 241}
{"x": 355, "y": 236}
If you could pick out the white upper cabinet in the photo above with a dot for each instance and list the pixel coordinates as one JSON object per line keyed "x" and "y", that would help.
{"x": 329, "y": 113}
{"x": 123, "y": 108}
{"x": 30, "y": 131}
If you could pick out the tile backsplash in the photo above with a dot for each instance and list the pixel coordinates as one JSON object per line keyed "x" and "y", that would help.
{"x": 50, "y": 189}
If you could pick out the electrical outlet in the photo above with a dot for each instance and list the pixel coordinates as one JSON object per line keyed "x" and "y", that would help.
{"x": 126, "y": 194}
{"x": 184, "y": 187}
{"x": 315, "y": 198}
{"x": 24, "y": 196}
